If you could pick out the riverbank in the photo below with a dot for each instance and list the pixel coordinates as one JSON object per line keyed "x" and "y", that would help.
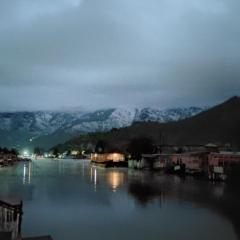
{"x": 5, "y": 162}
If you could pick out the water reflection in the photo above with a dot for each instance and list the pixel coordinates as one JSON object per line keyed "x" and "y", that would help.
{"x": 24, "y": 173}
{"x": 144, "y": 193}
{"x": 115, "y": 179}
{"x": 95, "y": 178}
{"x": 27, "y": 173}
{"x": 76, "y": 195}
{"x": 221, "y": 198}
{"x": 16, "y": 183}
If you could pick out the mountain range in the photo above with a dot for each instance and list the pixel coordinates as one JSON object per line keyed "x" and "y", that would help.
{"x": 219, "y": 125}
{"x": 46, "y": 129}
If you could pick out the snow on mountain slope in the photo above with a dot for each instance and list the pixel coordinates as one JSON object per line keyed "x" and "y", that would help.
{"x": 35, "y": 124}
{"x": 104, "y": 120}
{"x": 168, "y": 115}
{"x": 22, "y": 127}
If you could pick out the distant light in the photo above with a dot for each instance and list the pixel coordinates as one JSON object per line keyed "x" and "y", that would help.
{"x": 25, "y": 153}
{"x": 30, "y": 140}
{"x": 74, "y": 152}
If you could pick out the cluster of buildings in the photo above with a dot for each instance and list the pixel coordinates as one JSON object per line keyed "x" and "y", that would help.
{"x": 211, "y": 163}
{"x": 206, "y": 161}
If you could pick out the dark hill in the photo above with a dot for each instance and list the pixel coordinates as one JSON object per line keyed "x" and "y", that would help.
{"x": 220, "y": 125}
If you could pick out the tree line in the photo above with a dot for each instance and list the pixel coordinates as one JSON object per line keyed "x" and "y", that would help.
{"x": 5, "y": 150}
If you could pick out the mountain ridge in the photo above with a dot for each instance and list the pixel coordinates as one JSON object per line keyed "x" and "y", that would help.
{"x": 219, "y": 125}
{"x": 20, "y": 129}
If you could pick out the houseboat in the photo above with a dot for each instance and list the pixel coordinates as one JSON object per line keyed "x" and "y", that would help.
{"x": 108, "y": 159}
{"x": 187, "y": 163}
{"x": 223, "y": 165}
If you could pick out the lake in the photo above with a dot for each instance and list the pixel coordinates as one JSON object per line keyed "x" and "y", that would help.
{"x": 71, "y": 200}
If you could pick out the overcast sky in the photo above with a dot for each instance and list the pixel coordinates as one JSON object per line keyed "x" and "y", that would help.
{"x": 107, "y": 53}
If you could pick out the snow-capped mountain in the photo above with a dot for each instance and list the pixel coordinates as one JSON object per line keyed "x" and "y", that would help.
{"x": 168, "y": 115}
{"x": 104, "y": 120}
{"x": 19, "y": 129}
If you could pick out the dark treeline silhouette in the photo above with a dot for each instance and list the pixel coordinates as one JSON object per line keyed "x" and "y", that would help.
{"x": 139, "y": 146}
{"x": 5, "y": 150}
{"x": 38, "y": 151}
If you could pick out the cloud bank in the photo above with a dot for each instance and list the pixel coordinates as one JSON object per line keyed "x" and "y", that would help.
{"x": 98, "y": 54}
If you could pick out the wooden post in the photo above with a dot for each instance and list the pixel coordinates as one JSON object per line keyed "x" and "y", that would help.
{"x": 20, "y": 218}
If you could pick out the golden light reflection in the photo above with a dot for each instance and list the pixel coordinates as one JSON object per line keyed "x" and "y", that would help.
{"x": 94, "y": 177}
{"x": 115, "y": 179}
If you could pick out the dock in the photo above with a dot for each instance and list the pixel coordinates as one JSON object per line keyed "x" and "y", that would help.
{"x": 5, "y": 235}
{"x": 39, "y": 238}
{"x": 8, "y": 236}
{"x": 11, "y": 221}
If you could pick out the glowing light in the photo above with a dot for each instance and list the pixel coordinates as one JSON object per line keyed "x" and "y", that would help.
{"x": 25, "y": 153}
{"x": 74, "y": 153}
{"x": 117, "y": 157}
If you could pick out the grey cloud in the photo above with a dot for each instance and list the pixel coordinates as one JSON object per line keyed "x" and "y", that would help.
{"x": 113, "y": 53}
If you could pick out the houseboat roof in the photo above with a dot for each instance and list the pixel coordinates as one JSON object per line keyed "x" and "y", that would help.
{"x": 211, "y": 145}
{"x": 174, "y": 154}
{"x": 39, "y": 238}
{"x": 229, "y": 153}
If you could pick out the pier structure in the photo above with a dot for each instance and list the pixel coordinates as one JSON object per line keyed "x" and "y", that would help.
{"x": 10, "y": 220}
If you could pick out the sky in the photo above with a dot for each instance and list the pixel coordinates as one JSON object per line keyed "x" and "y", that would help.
{"x": 60, "y": 54}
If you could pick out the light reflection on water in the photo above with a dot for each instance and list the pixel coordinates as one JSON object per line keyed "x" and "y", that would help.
{"x": 27, "y": 171}
{"x": 71, "y": 199}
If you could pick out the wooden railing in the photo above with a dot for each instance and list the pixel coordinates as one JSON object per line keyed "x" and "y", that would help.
{"x": 11, "y": 218}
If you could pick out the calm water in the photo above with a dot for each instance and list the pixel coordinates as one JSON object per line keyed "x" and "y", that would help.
{"x": 73, "y": 201}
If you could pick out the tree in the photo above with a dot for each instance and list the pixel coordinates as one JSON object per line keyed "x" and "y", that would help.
{"x": 38, "y": 151}
{"x": 14, "y": 152}
{"x": 100, "y": 146}
{"x": 68, "y": 152}
{"x": 114, "y": 130}
{"x": 5, "y": 151}
{"x": 55, "y": 152}
{"x": 139, "y": 146}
